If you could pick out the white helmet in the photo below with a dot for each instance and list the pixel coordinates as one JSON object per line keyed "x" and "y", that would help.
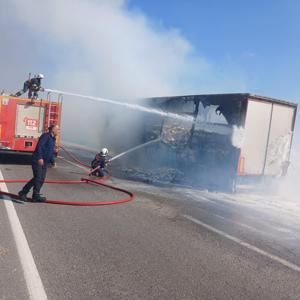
{"x": 41, "y": 76}
{"x": 104, "y": 152}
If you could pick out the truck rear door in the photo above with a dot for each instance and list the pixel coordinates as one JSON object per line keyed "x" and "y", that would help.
{"x": 29, "y": 121}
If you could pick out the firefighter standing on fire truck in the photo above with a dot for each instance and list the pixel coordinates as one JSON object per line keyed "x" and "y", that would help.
{"x": 33, "y": 86}
{"x": 43, "y": 156}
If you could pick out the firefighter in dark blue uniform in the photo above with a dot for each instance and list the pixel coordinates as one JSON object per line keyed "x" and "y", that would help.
{"x": 33, "y": 86}
{"x": 99, "y": 163}
{"x": 41, "y": 158}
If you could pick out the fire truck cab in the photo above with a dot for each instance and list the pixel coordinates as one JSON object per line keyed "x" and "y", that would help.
{"x": 23, "y": 120}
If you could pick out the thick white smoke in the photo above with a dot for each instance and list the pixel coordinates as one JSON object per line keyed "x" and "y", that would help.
{"x": 99, "y": 47}
{"x": 289, "y": 187}
{"x": 105, "y": 49}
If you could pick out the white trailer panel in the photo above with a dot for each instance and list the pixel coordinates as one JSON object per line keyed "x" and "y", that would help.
{"x": 257, "y": 126}
{"x": 279, "y": 139}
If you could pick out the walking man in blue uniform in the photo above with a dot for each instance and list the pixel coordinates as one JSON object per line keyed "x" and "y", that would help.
{"x": 42, "y": 156}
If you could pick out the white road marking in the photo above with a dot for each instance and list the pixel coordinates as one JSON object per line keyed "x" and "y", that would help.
{"x": 233, "y": 222}
{"x": 282, "y": 261}
{"x": 33, "y": 280}
{"x": 238, "y": 223}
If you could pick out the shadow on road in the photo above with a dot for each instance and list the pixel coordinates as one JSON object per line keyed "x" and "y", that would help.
{"x": 4, "y": 197}
{"x": 15, "y": 159}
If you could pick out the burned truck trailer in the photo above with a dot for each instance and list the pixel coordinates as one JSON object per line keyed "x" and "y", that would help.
{"x": 231, "y": 136}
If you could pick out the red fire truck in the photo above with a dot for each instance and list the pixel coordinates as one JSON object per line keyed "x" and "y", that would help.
{"x": 23, "y": 120}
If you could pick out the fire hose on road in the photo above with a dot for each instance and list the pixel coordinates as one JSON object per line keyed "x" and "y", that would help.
{"x": 99, "y": 182}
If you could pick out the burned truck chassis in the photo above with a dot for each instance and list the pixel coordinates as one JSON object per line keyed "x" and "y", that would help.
{"x": 215, "y": 140}
{"x": 199, "y": 153}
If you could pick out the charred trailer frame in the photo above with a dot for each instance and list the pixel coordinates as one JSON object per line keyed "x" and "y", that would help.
{"x": 233, "y": 136}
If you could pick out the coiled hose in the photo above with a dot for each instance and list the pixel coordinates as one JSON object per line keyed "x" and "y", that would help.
{"x": 99, "y": 182}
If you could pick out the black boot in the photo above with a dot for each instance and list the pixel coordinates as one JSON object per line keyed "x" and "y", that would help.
{"x": 38, "y": 198}
{"x": 23, "y": 196}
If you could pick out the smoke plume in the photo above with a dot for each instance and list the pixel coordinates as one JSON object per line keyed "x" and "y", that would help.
{"x": 102, "y": 48}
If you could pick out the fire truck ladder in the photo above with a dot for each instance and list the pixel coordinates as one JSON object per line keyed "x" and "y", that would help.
{"x": 53, "y": 108}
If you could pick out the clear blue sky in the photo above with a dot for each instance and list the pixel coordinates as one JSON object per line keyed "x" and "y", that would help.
{"x": 261, "y": 36}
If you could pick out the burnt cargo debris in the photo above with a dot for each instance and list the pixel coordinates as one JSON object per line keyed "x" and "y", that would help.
{"x": 232, "y": 136}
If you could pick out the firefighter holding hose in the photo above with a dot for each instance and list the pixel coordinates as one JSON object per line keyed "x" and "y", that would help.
{"x": 33, "y": 86}
{"x": 99, "y": 163}
{"x": 43, "y": 155}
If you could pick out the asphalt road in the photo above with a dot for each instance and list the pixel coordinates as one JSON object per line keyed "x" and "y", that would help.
{"x": 170, "y": 243}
